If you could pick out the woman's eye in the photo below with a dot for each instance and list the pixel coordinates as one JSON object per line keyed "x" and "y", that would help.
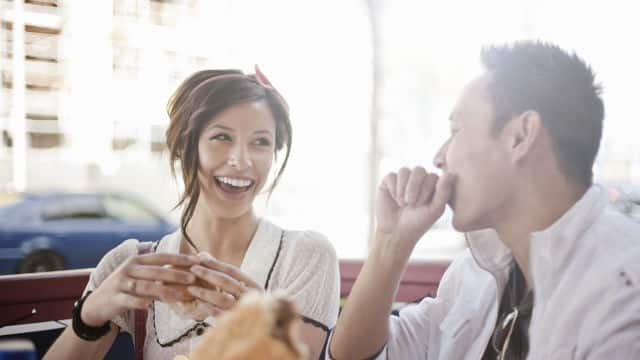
{"x": 220, "y": 137}
{"x": 262, "y": 142}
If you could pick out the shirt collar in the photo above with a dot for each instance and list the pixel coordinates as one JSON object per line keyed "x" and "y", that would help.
{"x": 550, "y": 249}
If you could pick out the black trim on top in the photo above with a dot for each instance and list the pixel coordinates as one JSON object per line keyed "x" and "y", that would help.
{"x": 198, "y": 325}
{"x": 322, "y": 326}
{"x": 372, "y": 357}
{"x": 275, "y": 260}
{"x": 315, "y": 323}
{"x": 203, "y": 324}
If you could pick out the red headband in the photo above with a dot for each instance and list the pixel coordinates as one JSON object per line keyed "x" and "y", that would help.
{"x": 258, "y": 77}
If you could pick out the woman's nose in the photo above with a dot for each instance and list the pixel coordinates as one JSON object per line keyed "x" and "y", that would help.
{"x": 239, "y": 157}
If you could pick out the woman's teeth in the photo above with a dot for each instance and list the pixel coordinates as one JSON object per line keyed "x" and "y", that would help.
{"x": 234, "y": 182}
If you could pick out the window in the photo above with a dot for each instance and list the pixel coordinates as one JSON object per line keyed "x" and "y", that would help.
{"x": 72, "y": 207}
{"x": 158, "y": 143}
{"x": 44, "y": 140}
{"x": 126, "y": 61}
{"x": 129, "y": 8}
{"x": 128, "y": 211}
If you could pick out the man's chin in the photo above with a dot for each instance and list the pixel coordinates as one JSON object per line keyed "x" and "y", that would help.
{"x": 463, "y": 225}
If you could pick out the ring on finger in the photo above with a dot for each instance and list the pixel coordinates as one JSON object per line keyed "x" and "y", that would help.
{"x": 130, "y": 285}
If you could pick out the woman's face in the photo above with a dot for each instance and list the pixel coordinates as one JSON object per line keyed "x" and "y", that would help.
{"x": 236, "y": 151}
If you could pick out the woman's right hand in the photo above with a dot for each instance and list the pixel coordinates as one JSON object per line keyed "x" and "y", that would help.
{"x": 136, "y": 283}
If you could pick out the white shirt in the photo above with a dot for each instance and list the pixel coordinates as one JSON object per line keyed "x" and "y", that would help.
{"x": 585, "y": 270}
{"x": 303, "y": 266}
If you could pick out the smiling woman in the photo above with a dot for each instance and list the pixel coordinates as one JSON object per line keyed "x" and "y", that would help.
{"x": 236, "y": 152}
{"x": 226, "y": 131}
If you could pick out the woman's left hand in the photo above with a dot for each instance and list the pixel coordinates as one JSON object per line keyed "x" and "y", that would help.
{"x": 221, "y": 284}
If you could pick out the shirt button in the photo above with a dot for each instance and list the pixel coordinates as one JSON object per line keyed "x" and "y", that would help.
{"x": 199, "y": 331}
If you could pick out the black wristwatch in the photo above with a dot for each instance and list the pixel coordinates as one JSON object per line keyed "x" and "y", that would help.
{"x": 82, "y": 330}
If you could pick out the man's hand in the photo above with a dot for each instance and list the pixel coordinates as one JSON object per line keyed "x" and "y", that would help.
{"x": 409, "y": 202}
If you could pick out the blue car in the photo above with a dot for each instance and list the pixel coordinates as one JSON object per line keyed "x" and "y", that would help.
{"x": 56, "y": 231}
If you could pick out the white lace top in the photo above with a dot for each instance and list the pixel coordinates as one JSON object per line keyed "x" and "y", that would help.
{"x": 301, "y": 264}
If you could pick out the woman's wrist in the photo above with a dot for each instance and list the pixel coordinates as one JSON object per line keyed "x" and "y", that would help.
{"x": 84, "y": 330}
{"x": 87, "y": 316}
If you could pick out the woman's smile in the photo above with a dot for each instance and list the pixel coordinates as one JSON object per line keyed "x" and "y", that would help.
{"x": 233, "y": 188}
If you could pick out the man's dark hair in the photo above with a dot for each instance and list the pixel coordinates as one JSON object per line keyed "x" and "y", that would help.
{"x": 533, "y": 75}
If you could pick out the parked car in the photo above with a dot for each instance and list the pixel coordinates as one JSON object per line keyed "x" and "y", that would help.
{"x": 56, "y": 231}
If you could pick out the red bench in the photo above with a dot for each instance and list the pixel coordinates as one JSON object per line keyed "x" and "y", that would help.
{"x": 419, "y": 280}
{"x": 52, "y": 294}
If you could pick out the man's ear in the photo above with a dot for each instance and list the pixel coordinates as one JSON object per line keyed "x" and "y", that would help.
{"x": 524, "y": 132}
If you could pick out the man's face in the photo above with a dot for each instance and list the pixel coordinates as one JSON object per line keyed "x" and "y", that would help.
{"x": 478, "y": 158}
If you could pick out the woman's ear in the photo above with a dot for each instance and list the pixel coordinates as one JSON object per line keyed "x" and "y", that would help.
{"x": 523, "y": 133}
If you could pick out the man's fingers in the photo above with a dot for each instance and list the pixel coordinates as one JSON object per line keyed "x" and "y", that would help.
{"x": 388, "y": 186}
{"x": 427, "y": 189}
{"x": 401, "y": 185}
{"x": 414, "y": 185}
{"x": 444, "y": 190}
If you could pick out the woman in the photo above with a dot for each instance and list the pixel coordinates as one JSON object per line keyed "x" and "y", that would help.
{"x": 226, "y": 130}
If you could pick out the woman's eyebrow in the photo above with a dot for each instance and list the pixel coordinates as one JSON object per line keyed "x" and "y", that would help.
{"x": 268, "y": 132}
{"x": 223, "y": 127}
{"x": 220, "y": 126}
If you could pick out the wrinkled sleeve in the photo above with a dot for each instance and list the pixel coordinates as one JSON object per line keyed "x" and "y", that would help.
{"x": 309, "y": 275}
{"x": 415, "y": 326}
{"x": 108, "y": 264}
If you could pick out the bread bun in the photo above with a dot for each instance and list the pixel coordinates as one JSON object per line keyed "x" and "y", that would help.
{"x": 189, "y": 310}
{"x": 187, "y": 306}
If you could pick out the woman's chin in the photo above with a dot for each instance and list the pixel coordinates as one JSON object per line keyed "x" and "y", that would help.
{"x": 231, "y": 211}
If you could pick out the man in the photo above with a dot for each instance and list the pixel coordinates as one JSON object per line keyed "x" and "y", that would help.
{"x": 551, "y": 272}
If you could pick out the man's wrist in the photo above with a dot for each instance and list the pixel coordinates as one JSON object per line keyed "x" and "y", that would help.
{"x": 391, "y": 248}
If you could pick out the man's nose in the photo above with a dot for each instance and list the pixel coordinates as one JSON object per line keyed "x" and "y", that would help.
{"x": 439, "y": 160}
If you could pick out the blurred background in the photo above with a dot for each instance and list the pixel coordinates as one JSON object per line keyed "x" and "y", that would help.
{"x": 370, "y": 85}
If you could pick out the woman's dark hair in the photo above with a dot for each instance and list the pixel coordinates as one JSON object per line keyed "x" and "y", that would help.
{"x": 194, "y": 104}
